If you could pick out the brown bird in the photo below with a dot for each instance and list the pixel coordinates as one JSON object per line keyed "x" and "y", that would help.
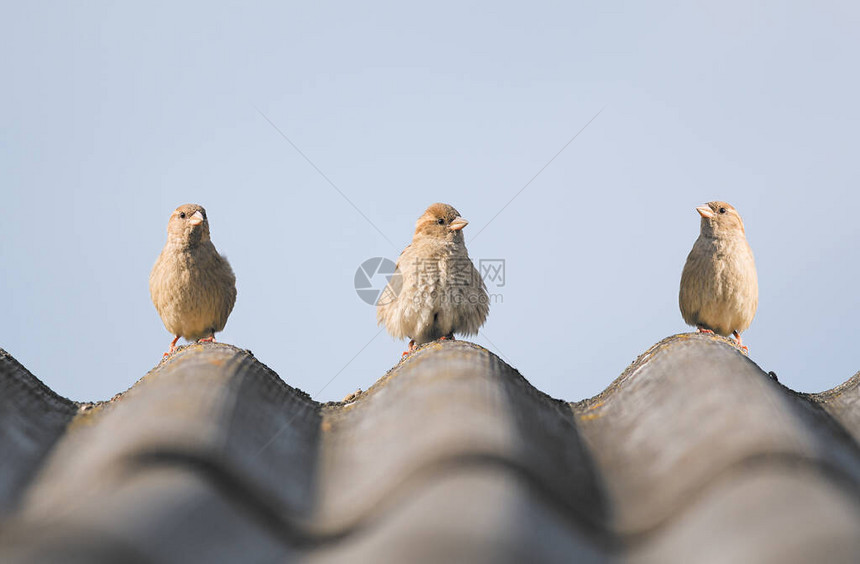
{"x": 719, "y": 285}
{"x": 192, "y": 286}
{"x": 435, "y": 290}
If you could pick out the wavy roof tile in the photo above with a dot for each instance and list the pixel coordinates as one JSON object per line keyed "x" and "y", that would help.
{"x": 693, "y": 454}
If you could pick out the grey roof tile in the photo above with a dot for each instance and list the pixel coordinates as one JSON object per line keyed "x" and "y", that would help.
{"x": 693, "y": 454}
{"x": 32, "y": 419}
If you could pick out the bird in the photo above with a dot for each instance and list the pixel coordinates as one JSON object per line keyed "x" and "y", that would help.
{"x": 719, "y": 284}
{"x": 192, "y": 286}
{"x": 435, "y": 290}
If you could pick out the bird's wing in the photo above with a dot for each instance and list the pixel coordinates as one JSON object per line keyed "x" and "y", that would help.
{"x": 473, "y": 317}
{"x": 395, "y": 283}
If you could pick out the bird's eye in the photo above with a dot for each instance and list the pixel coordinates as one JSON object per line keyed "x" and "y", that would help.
{"x": 182, "y": 215}
{"x": 440, "y": 221}
{"x": 722, "y": 210}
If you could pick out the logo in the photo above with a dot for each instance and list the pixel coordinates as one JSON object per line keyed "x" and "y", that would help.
{"x": 371, "y": 278}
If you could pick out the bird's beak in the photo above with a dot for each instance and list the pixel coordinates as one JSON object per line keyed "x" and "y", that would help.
{"x": 458, "y": 224}
{"x": 196, "y": 219}
{"x": 705, "y": 211}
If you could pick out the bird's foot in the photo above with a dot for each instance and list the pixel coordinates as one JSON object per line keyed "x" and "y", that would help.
{"x": 172, "y": 348}
{"x": 704, "y": 330}
{"x": 209, "y": 339}
{"x": 741, "y": 346}
{"x": 449, "y": 337}
{"x": 411, "y": 347}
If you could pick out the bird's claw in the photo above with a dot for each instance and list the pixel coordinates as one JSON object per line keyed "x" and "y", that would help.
{"x": 740, "y": 344}
{"x": 410, "y": 347}
{"x": 172, "y": 348}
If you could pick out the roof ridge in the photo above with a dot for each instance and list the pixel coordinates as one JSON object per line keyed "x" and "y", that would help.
{"x": 849, "y": 385}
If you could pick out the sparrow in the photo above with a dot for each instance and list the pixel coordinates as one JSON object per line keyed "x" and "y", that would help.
{"x": 435, "y": 290}
{"x": 719, "y": 285}
{"x": 192, "y": 286}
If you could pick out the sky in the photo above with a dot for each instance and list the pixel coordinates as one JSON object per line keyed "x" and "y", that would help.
{"x": 576, "y": 137}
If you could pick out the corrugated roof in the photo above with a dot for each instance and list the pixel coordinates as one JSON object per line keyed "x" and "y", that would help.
{"x": 693, "y": 454}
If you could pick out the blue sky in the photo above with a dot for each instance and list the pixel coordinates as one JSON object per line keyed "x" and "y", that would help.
{"x": 114, "y": 114}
